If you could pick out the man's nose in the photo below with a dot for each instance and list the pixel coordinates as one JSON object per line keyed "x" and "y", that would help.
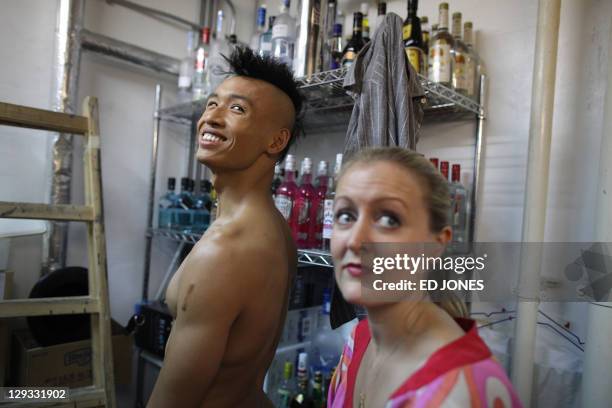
{"x": 212, "y": 117}
{"x": 359, "y": 234}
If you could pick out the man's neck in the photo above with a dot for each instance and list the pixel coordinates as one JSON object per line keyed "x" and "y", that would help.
{"x": 236, "y": 188}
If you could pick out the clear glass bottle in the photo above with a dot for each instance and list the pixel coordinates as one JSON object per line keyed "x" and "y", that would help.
{"x": 284, "y": 35}
{"x": 220, "y": 46}
{"x": 328, "y": 205}
{"x": 440, "y": 57}
{"x": 186, "y": 70}
{"x": 356, "y": 42}
{"x": 260, "y": 28}
{"x": 303, "y": 203}
{"x": 167, "y": 204}
{"x": 286, "y": 390}
{"x": 460, "y": 54}
{"x": 336, "y": 47}
{"x": 286, "y": 195}
{"x": 202, "y": 207}
{"x": 327, "y": 35}
{"x": 265, "y": 41}
{"x": 201, "y": 80}
{"x": 413, "y": 38}
{"x": 473, "y": 66}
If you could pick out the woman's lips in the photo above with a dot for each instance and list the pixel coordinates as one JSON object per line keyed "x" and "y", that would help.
{"x": 354, "y": 269}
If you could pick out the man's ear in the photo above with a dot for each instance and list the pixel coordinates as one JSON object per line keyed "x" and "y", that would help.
{"x": 279, "y": 141}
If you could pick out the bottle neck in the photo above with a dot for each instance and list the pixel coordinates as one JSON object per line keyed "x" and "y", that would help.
{"x": 289, "y": 174}
{"x": 467, "y": 36}
{"x": 443, "y": 22}
{"x": 322, "y": 181}
{"x": 457, "y": 28}
{"x": 306, "y": 178}
{"x": 412, "y": 8}
{"x": 357, "y": 27}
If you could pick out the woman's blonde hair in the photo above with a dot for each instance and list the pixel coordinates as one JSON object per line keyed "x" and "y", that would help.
{"x": 435, "y": 193}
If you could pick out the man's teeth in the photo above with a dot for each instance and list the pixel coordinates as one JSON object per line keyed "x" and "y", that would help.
{"x": 211, "y": 138}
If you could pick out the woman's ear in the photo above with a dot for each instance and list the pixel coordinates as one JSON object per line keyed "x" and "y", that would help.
{"x": 279, "y": 141}
{"x": 444, "y": 237}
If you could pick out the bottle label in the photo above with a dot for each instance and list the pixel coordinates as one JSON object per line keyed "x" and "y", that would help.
{"x": 328, "y": 218}
{"x": 280, "y": 30}
{"x": 415, "y": 56}
{"x": 303, "y": 211}
{"x": 470, "y": 76}
{"x": 348, "y": 58}
{"x": 407, "y": 32}
{"x": 283, "y": 204}
{"x": 184, "y": 81}
{"x": 440, "y": 60}
{"x": 459, "y": 72}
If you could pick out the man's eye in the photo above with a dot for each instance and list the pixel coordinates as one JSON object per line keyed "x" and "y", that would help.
{"x": 237, "y": 108}
{"x": 389, "y": 221}
{"x": 343, "y": 217}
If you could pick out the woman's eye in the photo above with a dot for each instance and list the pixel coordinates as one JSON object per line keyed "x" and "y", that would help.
{"x": 388, "y": 221}
{"x": 343, "y": 217}
{"x": 237, "y": 108}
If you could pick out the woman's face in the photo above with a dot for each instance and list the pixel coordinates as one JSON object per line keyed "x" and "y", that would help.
{"x": 378, "y": 202}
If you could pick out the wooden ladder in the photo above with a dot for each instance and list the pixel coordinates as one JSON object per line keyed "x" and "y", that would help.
{"x": 102, "y": 391}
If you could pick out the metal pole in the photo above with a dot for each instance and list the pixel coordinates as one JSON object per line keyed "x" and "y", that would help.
{"x": 149, "y": 236}
{"x": 478, "y": 156}
{"x": 534, "y": 210}
{"x": 596, "y": 379}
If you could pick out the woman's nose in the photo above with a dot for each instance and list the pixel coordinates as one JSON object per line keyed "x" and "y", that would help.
{"x": 359, "y": 234}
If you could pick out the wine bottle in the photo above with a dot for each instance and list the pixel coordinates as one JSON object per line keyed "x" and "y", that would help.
{"x": 356, "y": 42}
{"x": 413, "y": 38}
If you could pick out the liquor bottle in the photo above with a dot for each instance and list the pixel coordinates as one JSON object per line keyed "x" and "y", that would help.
{"x": 328, "y": 205}
{"x": 283, "y": 35}
{"x": 286, "y": 195}
{"x": 365, "y": 9}
{"x": 426, "y": 40}
{"x": 220, "y": 46}
{"x": 327, "y": 344}
{"x": 434, "y": 31}
{"x": 336, "y": 47}
{"x": 167, "y": 204}
{"x": 278, "y": 178}
{"x": 459, "y": 213}
{"x": 202, "y": 207}
{"x": 356, "y": 42}
{"x": 303, "y": 203}
{"x": 316, "y": 209}
{"x": 286, "y": 390}
{"x": 413, "y": 38}
{"x": 440, "y": 58}
{"x": 214, "y": 205}
{"x": 460, "y": 52}
{"x": 201, "y": 79}
{"x": 186, "y": 71}
{"x": 260, "y": 28}
{"x": 265, "y": 41}
{"x": 444, "y": 167}
{"x": 382, "y": 11}
{"x": 473, "y": 66}
{"x": 301, "y": 398}
{"x": 327, "y": 34}
{"x": 435, "y": 161}
{"x": 184, "y": 205}
{"x": 318, "y": 399}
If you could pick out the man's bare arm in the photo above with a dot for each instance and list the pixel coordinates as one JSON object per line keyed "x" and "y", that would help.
{"x": 209, "y": 302}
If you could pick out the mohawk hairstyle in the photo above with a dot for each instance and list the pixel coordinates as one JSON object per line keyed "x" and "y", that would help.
{"x": 244, "y": 62}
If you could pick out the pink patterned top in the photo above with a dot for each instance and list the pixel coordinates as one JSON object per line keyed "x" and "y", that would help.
{"x": 463, "y": 374}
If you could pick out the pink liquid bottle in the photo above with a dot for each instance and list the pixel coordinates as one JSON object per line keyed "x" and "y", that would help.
{"x": 315, "y": 237}
{"x": 286, "y": 195}
{"x": 303, "y": 203}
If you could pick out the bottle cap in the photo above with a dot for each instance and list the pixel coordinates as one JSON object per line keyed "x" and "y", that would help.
{"x": 443, "y": 6}
{"x": 382, "y": 9}
{"x": 337, "y": 29}
{"x": 323, "y": 168}
{"x": 306, "y": 166}
{"x": 424, "y": 20}
{"x": 456, "y": 172}
{"x": 435, "y": 161}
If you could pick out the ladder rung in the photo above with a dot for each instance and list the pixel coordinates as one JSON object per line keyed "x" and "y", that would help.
{"x": 78, "y": 397}
{"x": 48, "y": 306}
{"x": 60, "y": 212}
{"x": 23, "y": 116}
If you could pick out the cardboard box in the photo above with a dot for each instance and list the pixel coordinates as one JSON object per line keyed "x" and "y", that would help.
{"x": 66, "y": 365}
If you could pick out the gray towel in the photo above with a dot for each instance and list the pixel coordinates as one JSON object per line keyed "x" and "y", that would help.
{"x": 389, "y": 98}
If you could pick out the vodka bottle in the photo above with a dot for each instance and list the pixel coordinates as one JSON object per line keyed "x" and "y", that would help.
{"x": 186, "y": 71}
{"x": 356, "y": 42}
{"x": 460, "y": 54}
{"x": 382, "y": 11}
{"x": 473, "y": 66}
{"x": 303, "y": 203}
{"x": 265, "y": 41}
{"x": 336, "y": 47}
{"x": 286, "y": 195}
{"x": 260, "y": 28}
{"x": 440, "y": 58}
{"x": 201, "y": 82}
{"x": 184, "y": 205}
{"x": 413, "y": 38}
{"x": 328, "y": 33}
{"x": 167, "y": 204}
{"x": 365, "y": 9}
{"x": 328, "y": 206}
{"x": 459, "y": 212}
{"x": 302, "y": 397}
{"x": 316, "y": 209}
{"x": 220, "y": 46}
{"x": 283, "y": 35}
{"x": 202, "y": 207}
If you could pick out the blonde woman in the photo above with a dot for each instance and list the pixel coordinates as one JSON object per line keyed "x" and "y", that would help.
{"x": 406, "y": 353}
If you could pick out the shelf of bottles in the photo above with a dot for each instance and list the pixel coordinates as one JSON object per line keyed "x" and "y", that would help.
{"x": 305, "y": 256}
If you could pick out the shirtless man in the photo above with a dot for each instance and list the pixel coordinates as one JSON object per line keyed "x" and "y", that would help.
{"x": 229, "y": 297}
